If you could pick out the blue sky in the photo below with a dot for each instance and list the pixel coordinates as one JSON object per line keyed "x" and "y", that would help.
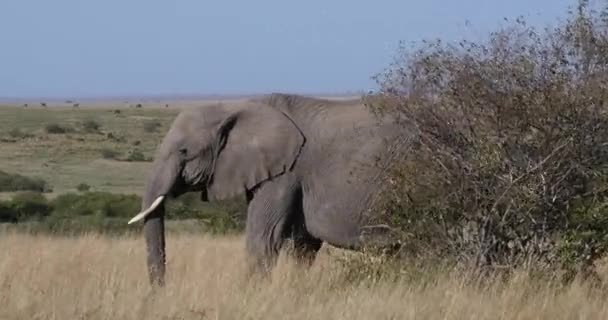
{"x": 76, "y": 48}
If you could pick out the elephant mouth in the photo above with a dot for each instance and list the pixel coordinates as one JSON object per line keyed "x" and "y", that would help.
{"x": 159, "y": 201}
{"x": 182, "y": 187}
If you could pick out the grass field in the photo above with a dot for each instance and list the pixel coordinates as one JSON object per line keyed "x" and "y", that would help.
{"x": 65, "y": 160}
{"x": 103, "y": 277}
{"x": 93, "y": 277}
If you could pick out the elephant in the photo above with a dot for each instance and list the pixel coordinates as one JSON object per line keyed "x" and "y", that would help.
{"x": 309, "y": 168}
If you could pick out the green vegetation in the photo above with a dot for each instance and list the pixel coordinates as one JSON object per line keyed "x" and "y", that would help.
{"x": 152, "y": 125}
{"x": 54, "y": 128}
{"x": 83, "y": 187}
{"x": 16, "y": 182}
{"x": 109, "y": 212}
{"x": 91, "y": 126}
{"x": 27, "y": 206}
{"x": 133, "y": 155}
{"x": 109, "y": 153}
{"x": 510, "y": 166}
{"x": 65, "y": 160}
{"x": 19, "y": 134}
{"x": 136, "y": 155}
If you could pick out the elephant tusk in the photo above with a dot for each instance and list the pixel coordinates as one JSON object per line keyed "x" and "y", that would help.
{"x": 143, "y": 214}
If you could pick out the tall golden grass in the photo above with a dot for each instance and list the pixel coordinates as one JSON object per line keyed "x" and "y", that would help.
{"x": 97, "y": 277}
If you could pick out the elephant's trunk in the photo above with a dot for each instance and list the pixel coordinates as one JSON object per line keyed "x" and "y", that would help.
{"x": 159, "y": 186}
{"x": 154, "y": 233}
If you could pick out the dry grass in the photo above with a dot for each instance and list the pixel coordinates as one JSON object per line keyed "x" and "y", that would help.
{"x": 94, "y": 277}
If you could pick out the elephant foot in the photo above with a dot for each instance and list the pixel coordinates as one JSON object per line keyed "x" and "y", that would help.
{"x": 259, "y": 268}
{"x": 379, "y": 238}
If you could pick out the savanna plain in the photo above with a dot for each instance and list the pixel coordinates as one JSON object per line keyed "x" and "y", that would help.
{"x": 93, "y": 275}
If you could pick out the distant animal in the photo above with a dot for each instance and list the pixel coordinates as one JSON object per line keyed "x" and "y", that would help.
{"x": 309, "y": 168}
{"x": 43, "y": 104}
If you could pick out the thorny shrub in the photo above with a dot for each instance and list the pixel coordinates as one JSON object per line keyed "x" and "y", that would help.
{"x": 509, "y": 167}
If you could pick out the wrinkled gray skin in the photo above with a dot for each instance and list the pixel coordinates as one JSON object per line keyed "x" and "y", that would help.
{"x": 308, "y": 168}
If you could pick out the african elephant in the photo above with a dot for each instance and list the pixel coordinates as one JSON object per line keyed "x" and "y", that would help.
{"x": 307, "y": 166}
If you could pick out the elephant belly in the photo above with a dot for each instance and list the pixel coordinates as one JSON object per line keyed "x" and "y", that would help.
{"x": 331, "y": 221}
{"x": 334, "y": 202}
{"x": 340, "y": 178}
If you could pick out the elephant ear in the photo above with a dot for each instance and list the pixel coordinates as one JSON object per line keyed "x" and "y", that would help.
{"x": 253, "y": 145}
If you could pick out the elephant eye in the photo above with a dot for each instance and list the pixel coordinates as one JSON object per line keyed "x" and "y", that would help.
{"x": 183, "y": 151}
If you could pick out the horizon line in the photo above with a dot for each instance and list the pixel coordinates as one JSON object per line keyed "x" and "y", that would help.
{"x": 169, "y": 96}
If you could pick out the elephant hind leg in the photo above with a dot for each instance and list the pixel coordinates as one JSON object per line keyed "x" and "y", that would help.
{"x": 305, "y": 245}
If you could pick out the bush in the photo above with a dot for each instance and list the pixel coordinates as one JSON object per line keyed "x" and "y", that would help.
{"x": 54, "y": 128}
{"x": 109, "y": 153}
{"x": 16, "y": 182}
{"x": 91, "y": 126}
{"x": 136, "y": 156}
{"x": 83, "y": 187}
{"x": 509, "y": 165}
{"x": 102, "y": 204}
{"x": 29, "y": 205}
{"x": 7, "y": 213}
{"x": 18, "y": 134}
{"x": 106, "y": 212}
{"x": 115, "y": 137}
{"x": 152, "y": 125}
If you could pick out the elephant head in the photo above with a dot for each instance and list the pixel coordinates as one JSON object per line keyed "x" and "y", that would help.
{"x": 220, "y": 151}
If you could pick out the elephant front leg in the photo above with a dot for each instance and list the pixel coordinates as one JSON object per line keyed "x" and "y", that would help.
{"x": 268, "y": 222}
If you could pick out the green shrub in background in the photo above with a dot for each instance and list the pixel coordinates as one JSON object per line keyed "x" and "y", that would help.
{"x": 16, "y": 182}
{"x": 136, "y": 156}
{"x": 101, "y": 204}
{"x": 30, "y": 205}
{"x": 152, "y": 125}
{"x": 109, "y": 153}
{"x": 91, "y": 126}
{"x": 83, "y": 187}
{"x": 54, "y": 128}
{"x": 25, "y": 206}
{"x": 7, "y": 213}
{"x": 74, "y": 213}
{"x": 19, "y": 134}
{"x": 510, "y": 165}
